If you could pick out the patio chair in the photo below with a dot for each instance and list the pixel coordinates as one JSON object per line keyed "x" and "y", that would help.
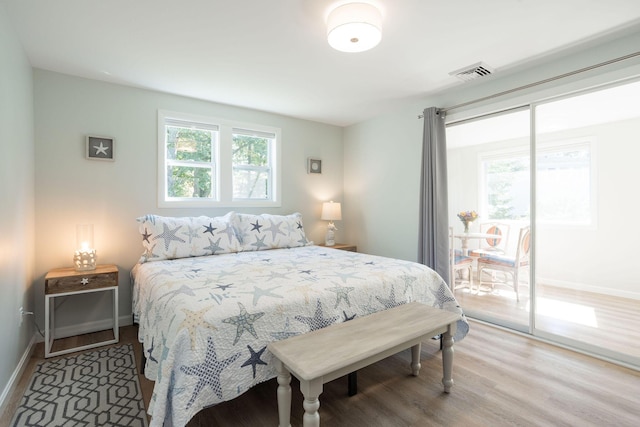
{"x": 492, "y": 245}
{"x": 512, "y": 266}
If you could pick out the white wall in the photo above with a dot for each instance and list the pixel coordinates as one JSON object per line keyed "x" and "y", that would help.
{"x": 382, "y": 155}
{"x": 597, "y": 259}
{"x": 111, "y": 195}
{"x": 16, "y": 203}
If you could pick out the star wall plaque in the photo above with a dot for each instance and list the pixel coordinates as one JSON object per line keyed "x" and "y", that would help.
{"x": 99, "y": 148}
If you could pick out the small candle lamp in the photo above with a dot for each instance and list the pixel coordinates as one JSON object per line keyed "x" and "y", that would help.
{"x": 85, "y": 256}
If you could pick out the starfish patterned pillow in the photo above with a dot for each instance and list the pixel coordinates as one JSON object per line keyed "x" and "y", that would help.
{"x": 261, "y": 232}
{"x": 182, "y": 237}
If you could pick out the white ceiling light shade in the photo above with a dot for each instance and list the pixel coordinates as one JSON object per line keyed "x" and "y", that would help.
{"x": 354, "y": 27}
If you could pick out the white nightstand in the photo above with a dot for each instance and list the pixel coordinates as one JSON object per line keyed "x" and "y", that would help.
{"x": 62, "y": 282}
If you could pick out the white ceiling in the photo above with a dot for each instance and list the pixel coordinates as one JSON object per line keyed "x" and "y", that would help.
{"x": 272, "y": 55}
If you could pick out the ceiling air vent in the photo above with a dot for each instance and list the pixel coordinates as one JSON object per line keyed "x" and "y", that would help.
{"x": 472, "y": 72}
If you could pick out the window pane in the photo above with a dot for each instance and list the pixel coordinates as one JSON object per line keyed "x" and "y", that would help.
{"x": 250, "y": 183}
{"x": 192, "y": 182}
{"x": 507, "y": 189}
{"x": 250, "y": 150}
{"x": 251, "y": 167}
{"x": 189, "y": 143}
{"x": 564, "y": 186}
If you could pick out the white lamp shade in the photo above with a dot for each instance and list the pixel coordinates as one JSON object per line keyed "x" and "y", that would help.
{"x": 331, "y": 211}
{"x": 354, "y": 27}
{"x": 84, "y": 236}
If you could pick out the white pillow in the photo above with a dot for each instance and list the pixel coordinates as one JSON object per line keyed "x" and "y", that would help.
{"x": 261, "y": 232}
{"x": 182, "y": 237}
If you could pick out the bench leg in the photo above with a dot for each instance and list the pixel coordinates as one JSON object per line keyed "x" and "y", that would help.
{"x": 415, "y": 359}
{"x": 284, "y": 395}
{"x": 311, "y": 391}
{"x": 353, "y": 383}
{"x": 447, "y": 357}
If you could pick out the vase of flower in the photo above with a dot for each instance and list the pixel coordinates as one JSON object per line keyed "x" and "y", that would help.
{"x": 467, "y": 217}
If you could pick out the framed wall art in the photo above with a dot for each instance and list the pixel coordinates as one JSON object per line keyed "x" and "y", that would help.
{"x": 314, "y": 166}
{"x": 100, "y": 148}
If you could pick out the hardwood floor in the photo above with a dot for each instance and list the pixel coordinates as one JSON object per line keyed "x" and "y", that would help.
{"x": 501, "y": 379}
{"x": 595, "y": 319}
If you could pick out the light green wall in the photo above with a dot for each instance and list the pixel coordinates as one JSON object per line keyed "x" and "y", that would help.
{"x": 16, "y": 202}
{"x": 111, "y": 195}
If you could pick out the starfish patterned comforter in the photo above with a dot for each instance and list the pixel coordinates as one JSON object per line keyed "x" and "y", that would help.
{"x": 205, "y": 321}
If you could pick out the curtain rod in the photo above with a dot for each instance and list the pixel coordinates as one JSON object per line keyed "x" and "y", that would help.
{"x": 550, "y": 79}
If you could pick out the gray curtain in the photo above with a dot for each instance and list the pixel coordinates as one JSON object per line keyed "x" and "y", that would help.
{"x": 433, "y": 241}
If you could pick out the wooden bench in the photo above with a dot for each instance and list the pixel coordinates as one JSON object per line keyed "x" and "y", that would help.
{"x": 326, "y": 354}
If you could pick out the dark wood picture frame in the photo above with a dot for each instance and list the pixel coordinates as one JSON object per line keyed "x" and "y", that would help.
{"x": 100, "y": 148}
{"x": 314, "y": 166}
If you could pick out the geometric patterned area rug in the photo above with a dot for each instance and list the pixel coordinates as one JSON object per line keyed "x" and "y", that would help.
{"x": 97, "y": 388}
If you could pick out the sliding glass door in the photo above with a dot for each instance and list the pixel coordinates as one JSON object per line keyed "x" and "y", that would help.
{"x": 553, "y": 247}
{"x": 587, "y": 175}
{"x": 489, "y": 173}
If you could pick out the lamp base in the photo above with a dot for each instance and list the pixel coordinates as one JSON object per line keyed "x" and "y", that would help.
{"x": 330, "y": 238}
{"x": 85, "y": 260}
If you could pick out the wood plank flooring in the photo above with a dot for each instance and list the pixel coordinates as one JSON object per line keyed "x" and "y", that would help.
{"x": 596, "y": 319}
{"x": 501, "y": 379}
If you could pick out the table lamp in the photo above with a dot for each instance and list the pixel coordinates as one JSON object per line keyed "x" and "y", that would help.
{"x": 331, "y": 212}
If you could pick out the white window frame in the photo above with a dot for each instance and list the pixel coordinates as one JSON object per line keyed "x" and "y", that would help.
{"x": 223, "y": 167}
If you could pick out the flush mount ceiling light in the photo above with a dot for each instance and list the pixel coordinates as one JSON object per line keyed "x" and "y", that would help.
{"x": 354, "y": 27}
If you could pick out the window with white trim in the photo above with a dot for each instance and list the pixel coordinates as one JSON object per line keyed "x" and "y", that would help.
{"x": 565, "y": 191}
{"x": 206, "y": 161}
{"x": 565, "y": 180}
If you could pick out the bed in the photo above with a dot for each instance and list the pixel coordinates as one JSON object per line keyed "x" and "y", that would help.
{"x": 205, "y": 316}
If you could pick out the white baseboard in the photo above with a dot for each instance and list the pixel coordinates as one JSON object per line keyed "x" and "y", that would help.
{"x": 589, "y": 288}
{"x": 17, "y": 373}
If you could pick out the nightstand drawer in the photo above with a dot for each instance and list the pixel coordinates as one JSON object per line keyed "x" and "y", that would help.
{"x": 68, "y": 280}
